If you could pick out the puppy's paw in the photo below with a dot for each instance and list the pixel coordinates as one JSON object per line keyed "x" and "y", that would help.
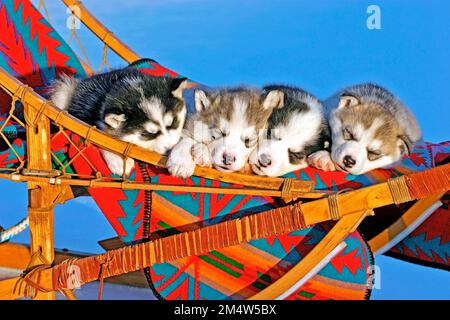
{"x": 201, "y": 155}
{"x": 321, "y": 160}
{"x": 180, "y": 166}
{"x": 115, "y": 163}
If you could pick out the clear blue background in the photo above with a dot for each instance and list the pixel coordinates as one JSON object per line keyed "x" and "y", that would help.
{"x": 319, "y": 45}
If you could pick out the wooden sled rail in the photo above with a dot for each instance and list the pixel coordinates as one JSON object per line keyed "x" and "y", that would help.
{"x": 131, "y": 185}
{"x": 355, "y": 205}
{"x": 44, "y": 108}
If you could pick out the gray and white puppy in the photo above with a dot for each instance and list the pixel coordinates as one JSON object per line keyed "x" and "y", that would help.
{"x": 223, "y": 131}
{"x": 295, "y": 130}
{"x": 370, "y": 129}
{"x": 129, "y": 105}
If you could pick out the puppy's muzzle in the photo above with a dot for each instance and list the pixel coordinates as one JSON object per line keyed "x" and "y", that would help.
{"x": 264, "y": 160}
{"x": 228, "y": 159}
{"x": 348, "y": 161}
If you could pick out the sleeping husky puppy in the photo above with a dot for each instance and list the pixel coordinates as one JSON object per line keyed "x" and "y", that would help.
{"x": 294, "y": 131}
{"x": 370, "y": 129}
{"x": 129, "y": 105}
{"x": 224, "y": 130}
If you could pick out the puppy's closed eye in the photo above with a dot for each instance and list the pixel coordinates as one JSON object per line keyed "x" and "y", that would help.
{"x": 373, "y": 155}
{"x": 219, "y": 133}
{"x": 150, "y": 135}
{"x": 250, "y": 141}
{"x": 296, "y": 156}
{"x": 348, "y": 134}
{"x": 174, "y": 125}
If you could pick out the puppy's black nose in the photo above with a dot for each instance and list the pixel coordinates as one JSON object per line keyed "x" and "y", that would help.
{"x": 264, "y": 160}
{"x": 349, "y": 162}
{"x": 228, "y": 159}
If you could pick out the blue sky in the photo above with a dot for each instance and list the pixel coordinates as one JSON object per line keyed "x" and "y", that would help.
{"x": 318, "y": 45}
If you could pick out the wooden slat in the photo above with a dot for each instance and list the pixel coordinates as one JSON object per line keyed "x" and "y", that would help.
{"x": 132, "y": 185}
{"x": 7, "y": 291}
{"x": 399, "y": 226}
{"x": 111, "y": 243}
{"x": 333, "y": 238}
{"x": 14, "y": 256}
{"x": 40, "y": 196}
{"x": 17, "y": 256}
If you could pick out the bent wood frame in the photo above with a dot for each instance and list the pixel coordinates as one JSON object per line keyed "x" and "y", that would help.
{"x": 353, "y": 206}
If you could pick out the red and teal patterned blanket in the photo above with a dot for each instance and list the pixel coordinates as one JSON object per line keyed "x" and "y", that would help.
{"x": 34, "y": 53}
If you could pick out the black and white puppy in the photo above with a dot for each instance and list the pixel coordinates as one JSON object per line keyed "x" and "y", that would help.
{"x": 129, "y": 105}
{"x": 295, "y": 130}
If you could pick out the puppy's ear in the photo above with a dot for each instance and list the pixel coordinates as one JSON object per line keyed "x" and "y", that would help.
{"x": 114, "y": 120}
{"x": 202, "y": 101}
{"x": 177, "y": 86}
{"x": 273, "y": 99}
{"x": 404, "y": 144}
{"x": 348, "y": 101}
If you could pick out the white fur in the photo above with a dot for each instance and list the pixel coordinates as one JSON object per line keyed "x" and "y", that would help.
{"x": 275, "y": 98}
{"x": 154, "y": 108}
{"x": 161, "y": 144}
{"x": 322, "y": 160}
{"x": 62, "y": 91}
{"x": 233, "y": 144}
{"x": 201, "y": 155}
{"x": 160, "y": 121}
{"x": 206, "y": 147}
{"x": 115, "y": 163}
{"x": 114, "y": 120}
{"x": 180, "y": 162}
{"x": 301, "y": 129}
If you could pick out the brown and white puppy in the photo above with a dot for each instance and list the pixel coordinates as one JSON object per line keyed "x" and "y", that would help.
{"x": 224, "y": 130}
{"x": 370, "y": 129}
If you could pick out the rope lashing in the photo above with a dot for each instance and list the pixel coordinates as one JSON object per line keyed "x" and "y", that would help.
{"x": 198, "y": 241}
{"x": 298, "y": 217}
{"x": 28, "y": 281}
{"x": 56, "y": 121}
{"x": 104, "y": 265}
{"x": 71, "y": 278}
{"x": 7, "y": 234}
{"x": 106, "y": 35}
{"x": 22, "y": 91}
{"x": 40, "y": 112}
{"x": 127, "y": 150}
{"x": 333, "y": 206}
{"x": 429, "y": 181}
{"x": 125, "y": 157}
{"x": 87, "y": 138}
{"x": 19, "y": 95}
{"x": 286, "y": 191}
{"x": 399, "y": 190}
{"x": 105, "y": 50}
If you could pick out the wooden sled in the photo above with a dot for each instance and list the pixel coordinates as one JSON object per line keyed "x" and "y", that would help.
{"x": 300, "y": 206}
